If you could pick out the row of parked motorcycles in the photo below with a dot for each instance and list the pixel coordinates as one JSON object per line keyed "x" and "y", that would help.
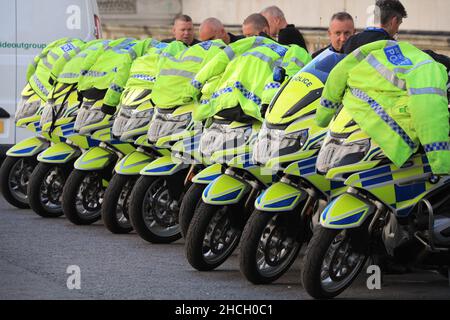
{"x": 269, "y": 188}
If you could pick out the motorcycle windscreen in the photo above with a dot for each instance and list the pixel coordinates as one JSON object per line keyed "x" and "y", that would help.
{"x": 302, "y": 90}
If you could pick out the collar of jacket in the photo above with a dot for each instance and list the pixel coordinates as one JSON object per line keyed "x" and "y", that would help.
{"x": 375, "y": 29}
{"x": 265, "y": 35}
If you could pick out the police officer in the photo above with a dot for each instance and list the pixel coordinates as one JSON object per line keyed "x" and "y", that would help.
{"x": 340, "y": 29}
{"x": 256, "y": 25}
{"x": 183, "y": 30}
{"x": 390, "y": 14}
{"x": 280, "y": 30}
{"x": 246, "y": 68}
{"x": 397, "y": 95}
{"x": 212, "y": 29}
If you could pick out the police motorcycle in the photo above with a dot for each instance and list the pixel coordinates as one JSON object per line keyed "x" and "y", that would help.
{"x": 215, "y": 228}
{"x": 17, "y": 167}
{"x": 220, "y": 143}
{"x": 84, "y": 190}
{"x": 58, "y": 118}
{"x": 131, "y": 125}
{"x": 56, "y": 161}
{"x": 21, "y": 158}
{"x": 156, "y": 196}
{"x": 387, "y": 212}
{"x": 287, "y": 147}
{"x": 227, "y": 201}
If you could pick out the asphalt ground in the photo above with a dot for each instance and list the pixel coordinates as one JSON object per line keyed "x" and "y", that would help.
{"x": 35, "y": 254}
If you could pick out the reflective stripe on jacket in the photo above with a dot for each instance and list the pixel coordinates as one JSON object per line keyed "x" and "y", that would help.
{"x": 397, "y": 95}
{"x": 49, "y": 64}
{"x": 246, "y": 70}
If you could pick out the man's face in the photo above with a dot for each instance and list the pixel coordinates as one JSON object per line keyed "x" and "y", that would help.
{"x": 249, "y": 30}
{"x": 339, "y": 32}
{"x": 183, "y": 31}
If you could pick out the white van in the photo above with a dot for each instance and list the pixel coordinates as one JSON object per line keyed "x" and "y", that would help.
{"x": 27, "y": 26}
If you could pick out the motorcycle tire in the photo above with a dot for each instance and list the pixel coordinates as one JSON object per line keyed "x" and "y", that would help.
{"x": 116, "y": 204}
{"x": 44, "y": 204}
{"x": 190, "y": 203}
{"x": 146, "y": 217}
{"x": 269, "y": 246}
{"x": 76, "y": 207}
{"x": 206, "y": 223}
{"x": 15, "y": 195}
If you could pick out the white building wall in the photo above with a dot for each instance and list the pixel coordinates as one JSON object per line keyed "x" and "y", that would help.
{"x": 429, "y": 15}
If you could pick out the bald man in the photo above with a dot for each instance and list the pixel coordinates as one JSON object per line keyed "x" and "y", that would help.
{"x": 280, "y": 30}
{"x": 255, "y": 25}
{"x": 212, "y": 28}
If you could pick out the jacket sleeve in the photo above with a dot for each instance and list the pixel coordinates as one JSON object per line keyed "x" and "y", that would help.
{"x": 337, "y": 82}
{"x": 88, "y": 62}
{"x": 428, "y": 107}
{"x": 334, "y": 91}
{"x": 61, "y": 62}
{"x": 218, "y": 64}
{"x": 117, "y": 86}
{"x": 293, "y": 61}
{"x": 32, "y": 67}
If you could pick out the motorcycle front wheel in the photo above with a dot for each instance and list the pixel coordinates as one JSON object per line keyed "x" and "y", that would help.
{"x": 213, "y": 235}
{"x": 15, "y": 174}
{"x": 45, "y": 189}
{"x": 116, "y": 204}
{"x": 269, "y": 246}
{"x": 190, "y": 202}
{"x": 154, "y": 211}
{"x": 83, "y": 197}
{"x": 331, "y": 263}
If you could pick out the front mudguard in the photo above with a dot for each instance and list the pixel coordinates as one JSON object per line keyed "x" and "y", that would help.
{"x": 28, "y": 147}
{"x": 279, "y": 197}
{"x": 133, "y": 163}
{"x": 225, "y": 190}
{"x": 346, "y": 211}
{"x": 163, "y": 166}
{"x": 59, "y": 153}
{"x": 208, "y": 174}
{"x": 95, "y": 159}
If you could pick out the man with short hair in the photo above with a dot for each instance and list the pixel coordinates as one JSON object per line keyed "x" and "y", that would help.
{"x": 255, "y": 25}
{"x": 340, "y": 29}
{"x": 280, "y": 30}
{"x": 390, "y": 15}
{"x": 183, "y": 30}
{"x": 212, "y": 29}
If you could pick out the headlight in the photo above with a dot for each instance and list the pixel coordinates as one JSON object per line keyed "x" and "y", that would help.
{"x": 138, "y": 119}
{"x": 87, "y": 117}
{"x": 336, "y": 153}
{"x": 121, "y": 120}
{"x": 26, "y": 109}
{"x": 273, "y": 143}
{"x": 165, "y": 124}
{"x": 222, "y": 137}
